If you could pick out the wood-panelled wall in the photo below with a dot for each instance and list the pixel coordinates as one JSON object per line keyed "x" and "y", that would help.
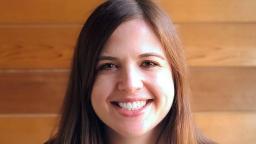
{"x": 37, "y": 40}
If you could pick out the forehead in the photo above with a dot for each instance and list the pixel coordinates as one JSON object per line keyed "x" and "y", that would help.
{"x": 134, "y": 36}
{"x": 139, "y": 26}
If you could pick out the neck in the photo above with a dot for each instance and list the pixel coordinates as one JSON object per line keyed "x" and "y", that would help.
{"x": 151, "y": 137}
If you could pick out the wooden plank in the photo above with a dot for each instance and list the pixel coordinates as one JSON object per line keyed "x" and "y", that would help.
{"x": 183, "y": 11}
{"x": 214, "y": 89}
{"x": 219, "y": 44}
{"x": 46, "y": 11}
{"x": 227, "y": 127}
{"x": 223, "y": 89}
{"x": 39, "y": 47}
{"x": 68, "y": 11}
{"x": 223, "y": 127}
{"x": 32, "y": 129}
{"x": 32, "y": 92}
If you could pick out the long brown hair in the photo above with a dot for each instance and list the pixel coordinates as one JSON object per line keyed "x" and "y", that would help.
{"x": 78, "y": 123}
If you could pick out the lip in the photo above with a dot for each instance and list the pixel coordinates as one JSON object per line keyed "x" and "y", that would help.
{"x": 131, "y": 99}
{"x": 131, "y": 113}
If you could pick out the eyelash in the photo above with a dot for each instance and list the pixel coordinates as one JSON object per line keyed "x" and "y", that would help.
{"x": 147, "y": 64}
{"x": 107, "y": 66}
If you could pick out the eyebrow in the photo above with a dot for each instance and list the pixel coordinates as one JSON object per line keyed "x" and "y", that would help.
{"x": 141, "y": 56}
{"x": 108, "y": 58}
{"x": 152, "y": 54}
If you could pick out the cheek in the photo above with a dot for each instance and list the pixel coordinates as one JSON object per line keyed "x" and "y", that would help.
{"x": 166, "y": 82}
{"x": 102, "y": 88}
{"x": 99, "y": 97}
{"x": 164, "y": 86}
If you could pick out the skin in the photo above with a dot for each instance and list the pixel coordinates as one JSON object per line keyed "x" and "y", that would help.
{"x": 133, "y": 67}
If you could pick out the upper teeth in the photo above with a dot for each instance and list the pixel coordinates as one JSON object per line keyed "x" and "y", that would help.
{"x": 132, "y": 105}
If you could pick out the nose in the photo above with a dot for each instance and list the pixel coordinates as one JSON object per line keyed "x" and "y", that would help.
{"x": 131, "y": 80}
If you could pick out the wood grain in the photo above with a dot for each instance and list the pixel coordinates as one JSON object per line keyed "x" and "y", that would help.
{"x": 223, "y": 127}
{"x": 45, "y": 11}
{"x": 219, "y": 44}
{"x": 32, "y": 92}
{"x": 68, "y": 11}
{"x": 41, "y": 47}
{"x": 26, "y": 129}
{"x": 214, "y": 89}
{"x": 36, "y": 47}
{"x": 185, "y": 11}
{"x": 223, "y": 89}
{"x": 228, "y": 127}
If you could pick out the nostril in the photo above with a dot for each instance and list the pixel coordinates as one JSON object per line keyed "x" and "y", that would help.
{"x": 130, "y": 84}
{"x": 131, "y": 87}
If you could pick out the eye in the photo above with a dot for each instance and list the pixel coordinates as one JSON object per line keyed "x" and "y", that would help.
{"x": 149, "y": 64}
{"x": 107, "y": 67}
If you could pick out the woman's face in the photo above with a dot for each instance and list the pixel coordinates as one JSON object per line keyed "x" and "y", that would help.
{"x": 134, "y": 88}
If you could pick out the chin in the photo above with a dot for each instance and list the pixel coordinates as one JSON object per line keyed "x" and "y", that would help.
{"x": 131, "y": 132}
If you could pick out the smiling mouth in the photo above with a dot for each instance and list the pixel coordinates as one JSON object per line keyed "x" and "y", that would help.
{"x": 132, "y": 105}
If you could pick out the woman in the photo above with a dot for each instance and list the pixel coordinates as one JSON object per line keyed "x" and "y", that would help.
{"x": 128, "y": 80}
